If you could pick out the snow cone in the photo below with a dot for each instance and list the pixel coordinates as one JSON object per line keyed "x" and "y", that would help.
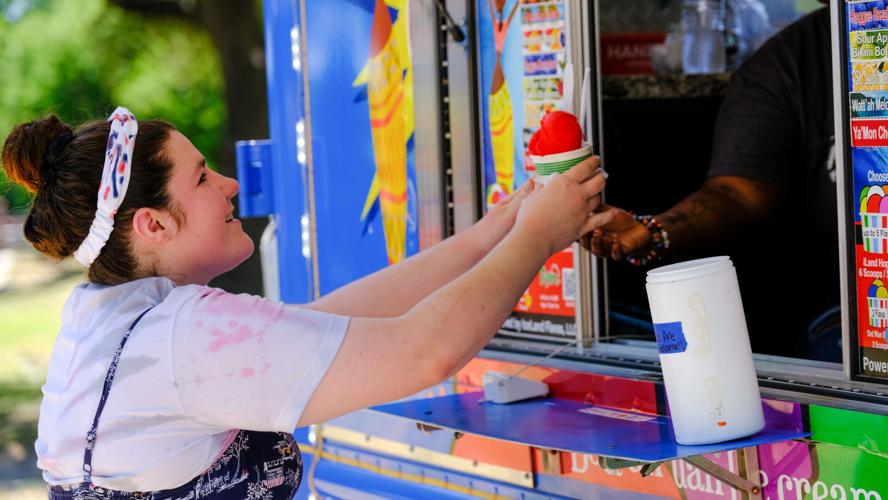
{"x": 874, "y": 219}
{"x": 558, "y": 144}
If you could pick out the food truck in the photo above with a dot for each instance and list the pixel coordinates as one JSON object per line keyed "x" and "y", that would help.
{"x": 397, "y": 123}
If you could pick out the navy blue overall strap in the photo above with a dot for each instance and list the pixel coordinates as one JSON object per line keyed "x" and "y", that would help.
{"x": 109, "y": 378}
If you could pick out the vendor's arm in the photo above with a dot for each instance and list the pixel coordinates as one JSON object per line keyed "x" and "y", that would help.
{"x": 756, "y": 147}
{"x": 719, "y": 210}
{"x": 386, "y": 359}
{"x": 376, "y": 296}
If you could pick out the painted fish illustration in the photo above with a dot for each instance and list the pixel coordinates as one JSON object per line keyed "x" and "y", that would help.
{"x": 390, "y": 101}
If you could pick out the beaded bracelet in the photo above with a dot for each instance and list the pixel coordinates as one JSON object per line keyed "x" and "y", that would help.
{"x": 659, "y": 241}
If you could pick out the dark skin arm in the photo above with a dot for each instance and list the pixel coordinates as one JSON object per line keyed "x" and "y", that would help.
{"x": 723, "y": 207}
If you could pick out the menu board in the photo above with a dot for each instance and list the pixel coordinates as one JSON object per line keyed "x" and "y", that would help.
{"x": 524, "y": 59}
{"x": 866, "y": 191}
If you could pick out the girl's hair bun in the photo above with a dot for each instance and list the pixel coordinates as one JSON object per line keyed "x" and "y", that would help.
{"x": 25, "y": 150}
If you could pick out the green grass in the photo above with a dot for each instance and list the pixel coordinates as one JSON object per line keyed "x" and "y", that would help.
{"x": 29, "y": 321}
{"x": 19, "y": 407}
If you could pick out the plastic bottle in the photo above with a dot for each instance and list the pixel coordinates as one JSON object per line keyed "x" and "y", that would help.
{"x": 707, "y": 364}
{"x": 703, "y": 45}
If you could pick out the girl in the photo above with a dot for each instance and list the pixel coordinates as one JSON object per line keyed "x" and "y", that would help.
{"x": 160, "y": 387}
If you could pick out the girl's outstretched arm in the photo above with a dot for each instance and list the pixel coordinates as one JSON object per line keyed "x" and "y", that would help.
{"x": 393, "y": 291}
{"x": 384, "y": 359}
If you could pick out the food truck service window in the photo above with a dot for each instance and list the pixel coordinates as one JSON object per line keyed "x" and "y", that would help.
{"x": 663, "y": 137}
{"x": 656, "y": 122}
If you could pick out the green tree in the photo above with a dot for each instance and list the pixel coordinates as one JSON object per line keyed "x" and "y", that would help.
{"x": 80, "y": 59}
{"x": 235, "y": 29}
{"x": 197, "y": 64}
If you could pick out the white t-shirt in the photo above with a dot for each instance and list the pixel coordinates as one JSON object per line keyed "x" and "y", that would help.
{"x": 200, "y": 365}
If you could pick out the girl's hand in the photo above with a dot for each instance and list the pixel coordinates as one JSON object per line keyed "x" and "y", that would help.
{"x": 566, "y": 208}
{"x": 498, "y": 221}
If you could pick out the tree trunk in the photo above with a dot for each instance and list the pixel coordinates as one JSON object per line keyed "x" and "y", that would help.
{"x": 236, "y": 29}
{"x": 235, "y": 26}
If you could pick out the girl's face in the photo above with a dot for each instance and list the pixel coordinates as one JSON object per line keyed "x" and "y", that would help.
{"x": 209, "y": 240}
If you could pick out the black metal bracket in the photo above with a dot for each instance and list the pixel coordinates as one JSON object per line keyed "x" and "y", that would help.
{"x": 746, "y": 481}
{"x": 455, "y": 31}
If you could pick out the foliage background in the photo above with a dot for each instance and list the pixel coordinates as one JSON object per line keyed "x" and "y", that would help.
{"x": 80, "y": 59}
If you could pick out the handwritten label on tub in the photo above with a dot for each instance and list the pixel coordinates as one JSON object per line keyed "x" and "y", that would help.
{"x": 670, "y": 338}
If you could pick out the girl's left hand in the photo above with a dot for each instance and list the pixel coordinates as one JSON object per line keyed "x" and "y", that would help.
{"x": 498, "y": 221}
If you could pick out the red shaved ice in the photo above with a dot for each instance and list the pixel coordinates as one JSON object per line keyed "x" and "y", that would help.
{"x": 559, "y": 132}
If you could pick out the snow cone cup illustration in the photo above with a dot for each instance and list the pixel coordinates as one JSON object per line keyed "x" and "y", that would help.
{"x": 877, "y": 304}
{"x": 705, "y": 355}
{"x": 557, "y": 145}
{"x": 874, "y": 218}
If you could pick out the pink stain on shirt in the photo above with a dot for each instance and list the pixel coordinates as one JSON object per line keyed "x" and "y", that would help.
{"x": 224, "y": 339}
{"x": 265, "y": 365}
{"x": 76, "y": 399}
{"x": 217, "y": 303}
{"x": 247, "y": 372}
{"x": 51, "y": 466}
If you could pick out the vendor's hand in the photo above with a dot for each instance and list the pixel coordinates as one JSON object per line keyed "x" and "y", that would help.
{"x": 567, "y": 207}
{"x": 498, "y": 221}
{"x": 621, "y": 237}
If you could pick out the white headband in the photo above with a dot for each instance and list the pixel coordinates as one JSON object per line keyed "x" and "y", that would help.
{"x": 115, "y": 180}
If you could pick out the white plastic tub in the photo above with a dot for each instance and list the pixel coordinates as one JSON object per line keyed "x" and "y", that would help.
{"x": 705, "y": 354}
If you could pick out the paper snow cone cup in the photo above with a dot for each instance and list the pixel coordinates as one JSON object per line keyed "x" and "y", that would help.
{"x": 559, "y": 162}
{"x": 875, "y": 232}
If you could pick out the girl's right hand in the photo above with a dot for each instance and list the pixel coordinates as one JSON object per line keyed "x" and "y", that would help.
{"x": 565, "y": 209}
